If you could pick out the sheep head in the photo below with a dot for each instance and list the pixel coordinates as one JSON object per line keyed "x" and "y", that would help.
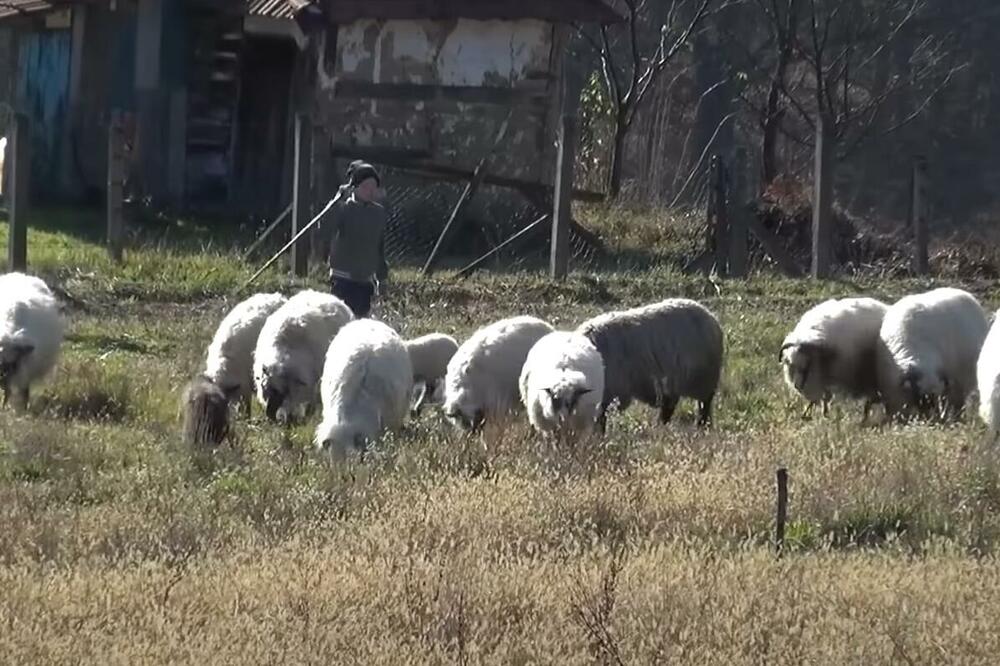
{"x": 564, "y": 395}
{"x": 339, "y": 439}
{"x": 12, "y": 354}
{"x": 284, "y": 392}
{"x": 464, "y": 416}
{"x": 806, "y": 367}
{"x": 922, "y": 391}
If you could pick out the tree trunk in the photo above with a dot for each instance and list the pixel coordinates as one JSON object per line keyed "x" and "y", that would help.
{"x": 769, "y": 143}
{"x": 617, "y": 159}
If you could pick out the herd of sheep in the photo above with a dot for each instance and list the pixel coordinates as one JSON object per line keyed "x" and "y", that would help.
{"x": 920, "y": 357}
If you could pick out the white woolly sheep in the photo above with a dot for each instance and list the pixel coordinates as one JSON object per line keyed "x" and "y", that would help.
{"x": 365, "y": 389}
{"x": 31, "y": 334}
{"x": 928, "y": 347}
{"x": 832, "y": 351}
{"x": 228, "y": 370}
{"x": 988, "y": 379}
{"x": 429, "y": 356}
{"x": 291, "y": 349}
{"x": 482, "y": 377}
{"x": 562, "y": 384}
{"x": 657, "y": 354}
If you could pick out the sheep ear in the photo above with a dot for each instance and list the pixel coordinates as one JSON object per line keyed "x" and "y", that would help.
{"x": 21, "y": 349}
{"x": 583, "y": 391}
{"x": 417, "y": 398}
{"x": 781, "y": 352}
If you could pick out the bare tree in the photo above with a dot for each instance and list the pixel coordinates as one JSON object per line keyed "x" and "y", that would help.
{"x": 635, "y": 54}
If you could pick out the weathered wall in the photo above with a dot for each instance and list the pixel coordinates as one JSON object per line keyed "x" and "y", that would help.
{"x": 493, "y": 54}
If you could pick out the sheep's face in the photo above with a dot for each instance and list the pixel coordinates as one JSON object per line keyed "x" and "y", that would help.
{"x": 806, "y": 370}
{"x": 465, "y": 416}
{"x": 563, "y": 397}
{"x": 285, "y": 394}
{"x": 340, "y": 439}
{"x": 12, "y": 355}
{"x": 922, "y": 391}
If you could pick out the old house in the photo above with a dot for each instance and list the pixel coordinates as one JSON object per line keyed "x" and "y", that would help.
{"x": 210, "y": 90}
{"x": 205, "y": 89}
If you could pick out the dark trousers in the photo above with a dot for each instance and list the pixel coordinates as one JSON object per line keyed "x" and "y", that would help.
{"x": 357, "y": 295}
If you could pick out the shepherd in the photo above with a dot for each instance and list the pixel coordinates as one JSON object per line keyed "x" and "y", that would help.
{"x": 358, "y": 267}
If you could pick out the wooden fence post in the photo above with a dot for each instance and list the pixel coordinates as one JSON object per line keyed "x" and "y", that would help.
{"x": 918, "y": 212}
{"x": 116, "y": 186}
{"x": 740, "y": 210}
{"x": 781, "y": 510}
{"x": 19, "y": 154}
{"x": 721, "y": 239}
{"x": 822, "y": 231}
{"x": 562, "y": 210}
{"x": 301, "y": 192}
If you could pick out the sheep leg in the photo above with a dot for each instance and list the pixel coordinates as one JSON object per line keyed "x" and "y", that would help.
{"x": 21, "y": 398}
{"x": 602, "y": 420}
{"x": 668, "y": 405}
{"x": 705, "y": 412}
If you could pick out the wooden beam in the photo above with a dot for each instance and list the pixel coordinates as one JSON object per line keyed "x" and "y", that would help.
{"x": 739, "y": 211}
{"x": 19, "y": 158}
{"x": 423, "y": 168}
{"x": 301, "y": 190}
{"x": 419, "y": 92}
{"x": 562, "y": 206}
{"x": 470, "y": 268}
{"x": 116, "y": 187}
{"x": 822, "y": 227}
{"x": 470, "y": 189}
{"x": 720, "y": 239}
{"x": 267, "y": 232}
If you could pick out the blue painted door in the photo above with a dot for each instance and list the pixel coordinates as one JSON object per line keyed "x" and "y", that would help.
{"x": 42, "y": 93}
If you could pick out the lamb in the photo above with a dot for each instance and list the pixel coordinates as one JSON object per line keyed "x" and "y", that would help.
{"x": 366, "y": 386}
{"x": 657, "y": 354}
{"x": 562, "y": 384}
{"x": 429, "y": 355}
{"x": 482, "y": 377}
{"x": 290, "y": 350}
{"x": 832, "y": 351}
{"x": 988, "y": 379}
{"x": 928, "y": 347}
{"x": 228, "y": 370}
{"x": 31, "y": 335}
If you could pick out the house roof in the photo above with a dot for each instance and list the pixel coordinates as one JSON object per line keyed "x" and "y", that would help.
{"x": 346, "y": 11}
{"x": 556, "y": 11}
{"x": 13, "y": 8}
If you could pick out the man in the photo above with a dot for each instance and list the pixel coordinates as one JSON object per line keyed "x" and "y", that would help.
{"x": 357, "y": 247}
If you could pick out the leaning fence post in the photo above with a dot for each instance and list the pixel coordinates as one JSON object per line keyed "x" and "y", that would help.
{"x": 116, "y": 186}
{"x": 781, "y": 510}
{"x": 918, "y": 220}
{"x": 563, "y": 198}
{"x": 19, "y": 154}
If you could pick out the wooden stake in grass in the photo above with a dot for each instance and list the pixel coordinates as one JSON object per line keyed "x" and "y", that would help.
{"x": 782, "y": 510}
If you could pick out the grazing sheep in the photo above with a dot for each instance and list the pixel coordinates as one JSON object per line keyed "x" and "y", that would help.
{"x": 31, "y": 334}
{"x": 657, "y": 354}
{"x": 228, "y": 370}
{"x": 832, "y": 350}
{"x": 290, "y": 351}
{"x": 429, "y": 356}
{"x": 562, "y": 384}
{"x": 988, "y": 379}
{"x": 482, "y": 377}
{"x": 206, "y": 412}
{"x": 366, "y": 387}
{"x": 928, "y": 347}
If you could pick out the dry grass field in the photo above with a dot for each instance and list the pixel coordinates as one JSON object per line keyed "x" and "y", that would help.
{"x": 119, "y": 545}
